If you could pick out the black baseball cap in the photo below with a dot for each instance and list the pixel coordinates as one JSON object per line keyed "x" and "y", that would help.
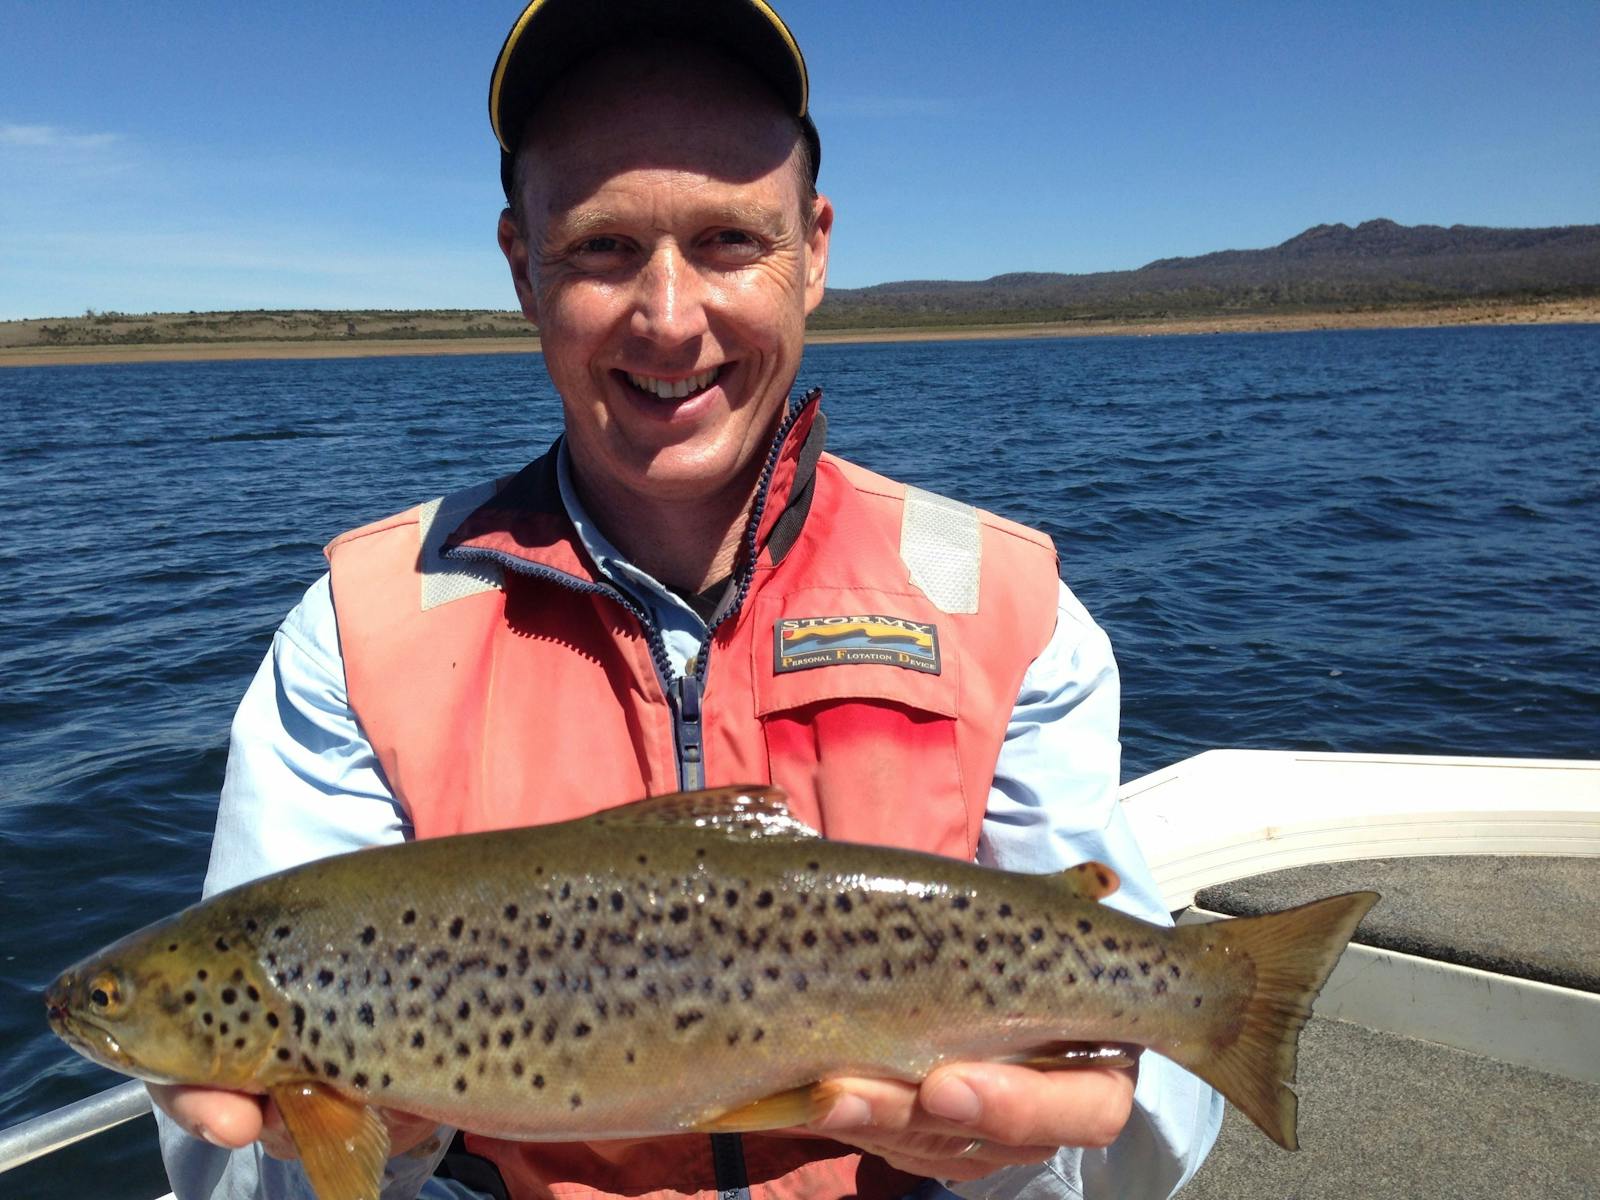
{"x": 552, "y": 36}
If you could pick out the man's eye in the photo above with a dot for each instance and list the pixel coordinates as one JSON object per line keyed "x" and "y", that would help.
{"x": 599, "y": 245}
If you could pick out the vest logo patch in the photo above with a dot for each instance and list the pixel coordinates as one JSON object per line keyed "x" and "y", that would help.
{"x": 801, "y": 643}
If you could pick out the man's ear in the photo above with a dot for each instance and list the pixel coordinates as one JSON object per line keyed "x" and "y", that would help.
{"x": 817, "y": 251}
{"x": 515, "y": 247}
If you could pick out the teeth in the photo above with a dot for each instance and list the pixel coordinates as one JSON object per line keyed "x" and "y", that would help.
{"x": 669, "y": 389}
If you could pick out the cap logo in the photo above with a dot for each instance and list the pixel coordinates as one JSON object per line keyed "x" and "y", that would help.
{"x": 804, "y": 643}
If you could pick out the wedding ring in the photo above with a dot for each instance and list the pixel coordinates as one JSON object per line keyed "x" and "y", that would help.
{"x": 970, "y": 1148}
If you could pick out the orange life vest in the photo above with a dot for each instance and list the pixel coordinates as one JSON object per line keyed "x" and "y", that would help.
{"x": 868, "y": 664}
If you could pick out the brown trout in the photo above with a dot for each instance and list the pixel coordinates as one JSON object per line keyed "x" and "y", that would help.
{"x": 700, "y": 961}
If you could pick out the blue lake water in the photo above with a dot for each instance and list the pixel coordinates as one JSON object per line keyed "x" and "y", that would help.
{"x": 1365, "y": 540}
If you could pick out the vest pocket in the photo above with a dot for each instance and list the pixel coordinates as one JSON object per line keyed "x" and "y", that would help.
{"x": 870, "y": 742}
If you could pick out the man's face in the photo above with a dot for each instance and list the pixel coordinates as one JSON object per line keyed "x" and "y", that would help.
{"x": 669, "y": 262}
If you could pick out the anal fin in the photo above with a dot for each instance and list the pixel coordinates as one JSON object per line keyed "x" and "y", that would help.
{"x": 781, "y": 1110}
{"x": 1062, "y": 1056}
{"x": 343, "y": 1143}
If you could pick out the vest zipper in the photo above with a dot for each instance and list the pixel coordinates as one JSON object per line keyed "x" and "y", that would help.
{"x": 683, "y": 692}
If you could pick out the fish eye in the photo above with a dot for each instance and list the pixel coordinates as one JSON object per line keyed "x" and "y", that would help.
{"x": 105, "y": 995}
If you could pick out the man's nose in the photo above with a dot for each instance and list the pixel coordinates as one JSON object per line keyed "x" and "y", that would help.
{"x": 670, "y": 305}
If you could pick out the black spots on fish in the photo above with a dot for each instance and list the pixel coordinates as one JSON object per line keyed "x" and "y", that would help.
{"x": 330, "y": 1068}
{"x": 543, "y": 920}
{"x": 441, "y": 989}
{"x": 518, "y": 1069}
{"x": 238, "y": 1043}
{"x": 582, "y": 1029}
{"x": 687, "y": 1019}
{"x": 864, "y": 974}
{"x": 413, "y": 982}
{"x": 548, "y": 1033}
{"x": 800, "y": 981}
{"x": 1036, "y": 934}
{"x": 403, "y": 954}
{"x": 1072, "y": 978}
{"x": 808, "y": 939}
{"x": 272, "y": 1020}
{"x": 360, "y": 1080}
{"x": 463, "y": 1050}
{"x": 252, "y": 992}
{"x": 510, "y": 912}
{"x": 299, "y": 1019}
{"x": 172, "y": 949}
{"x": 438, "y": 1060}
{"x": 578, "y": 939}
{"x": 221, "y": 944}
{"x": 772, "y": 973}
{"x": 843, "y": 903}
{"x": 369, "y": 935}
{"x": 224, "y": 1029}
{"x": 461, "y": 1083}
{"x": 349, "y": 1049}
{"x": 507, "y": 1036}
{"x": 1096, "y": 971}
{"x": 678, "y": 913}
{"x": 283, "y": 1054}
{"x": 1004, "y": 910}
{"x": 575, "y": 1100}
{"x": 436, "y": 958}
{"x": 566, "y": 891}
{"x": 463, "y": 1011}
{"x": 1195, "y": 1003}
{"x": 483, "y": 1041}
{"x": 202, "y": 975}
{"x": 456, "y": 926}
{"x": 747, "y": 988}
{"x": 244, "y": 1016}
{"x": 330, "y": 1017}
{"x": 960, "y": 903}
{"x": 1120, "y": 974}
{"x": 365, "y": 1015}
{"x": 1173, "y": 967}
{"x": 418, "y": 1040}
{"x": 758, "y": 1034}
{"x": 538, "y": 1082}
{"x": 980, "y": 944}
{"x": 385, "y": 1080}
{"x": 904, "y": 932}
{"x": 324, "y": 977}
{"x": 315, "y": 1036}
{"x": 1110, "y": 943}
{"x": 527, "y": 1026}
{"x": 189, "y": 997}
{"x": 1159, "y": 986}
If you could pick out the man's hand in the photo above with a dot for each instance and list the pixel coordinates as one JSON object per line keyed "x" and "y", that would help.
{"x": 967, "y": 1120}
{"x": 235, "y": 1119}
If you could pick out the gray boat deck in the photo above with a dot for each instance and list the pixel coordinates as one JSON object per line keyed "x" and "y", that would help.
{"x": 1384, "y": 1116}
{"x": 1533, "y": 918}
{"x": 1389, "y": 1116}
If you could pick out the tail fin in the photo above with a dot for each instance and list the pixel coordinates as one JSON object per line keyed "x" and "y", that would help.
{"x": 1252, "y": 1060}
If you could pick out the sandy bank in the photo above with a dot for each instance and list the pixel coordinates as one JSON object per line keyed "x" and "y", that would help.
{"x": 1583, "y": 311}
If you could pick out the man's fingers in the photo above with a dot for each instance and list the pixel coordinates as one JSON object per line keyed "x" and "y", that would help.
{"x": 1021, "y": 1106}
{"x": 227, "y": 1119}
{"x": 1003, "y": 1105}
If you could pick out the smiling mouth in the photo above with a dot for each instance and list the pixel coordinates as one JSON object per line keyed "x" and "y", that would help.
{"x": 674, "y": 389}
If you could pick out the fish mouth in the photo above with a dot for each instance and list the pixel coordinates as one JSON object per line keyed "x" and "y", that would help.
{"x": 90, "y": 1040}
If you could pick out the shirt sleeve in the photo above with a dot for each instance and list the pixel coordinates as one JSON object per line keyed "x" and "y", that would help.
{"x": 302, "y": 783}
{"x": 1053, "y": 805}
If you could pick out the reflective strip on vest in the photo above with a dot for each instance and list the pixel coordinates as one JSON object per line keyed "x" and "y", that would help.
{"x": 943, "y": 549}
{"x": 443, "y": 580}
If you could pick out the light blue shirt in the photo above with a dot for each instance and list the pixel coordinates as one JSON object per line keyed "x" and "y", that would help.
{"x": 303, "y": 783}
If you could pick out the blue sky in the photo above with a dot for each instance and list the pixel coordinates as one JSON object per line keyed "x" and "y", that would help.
{"x": 209, "y": 156}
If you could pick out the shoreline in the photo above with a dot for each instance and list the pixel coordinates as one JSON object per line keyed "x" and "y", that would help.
{"x": 1557, "y": 312}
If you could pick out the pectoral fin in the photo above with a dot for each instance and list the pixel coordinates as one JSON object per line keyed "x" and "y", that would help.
{"x": 343, "y": 1143}
{"x": 782, "y": 1110}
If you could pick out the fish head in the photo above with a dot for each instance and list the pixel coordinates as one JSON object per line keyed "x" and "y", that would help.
{"x": 167, "y": 1005}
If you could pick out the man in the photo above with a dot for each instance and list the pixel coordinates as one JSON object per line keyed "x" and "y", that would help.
{"x": 612, "y": 623}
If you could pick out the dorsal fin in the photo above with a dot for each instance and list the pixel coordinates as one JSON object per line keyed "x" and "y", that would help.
{"x": 1089, "y": 881}
{"x": 743, "y": 812}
